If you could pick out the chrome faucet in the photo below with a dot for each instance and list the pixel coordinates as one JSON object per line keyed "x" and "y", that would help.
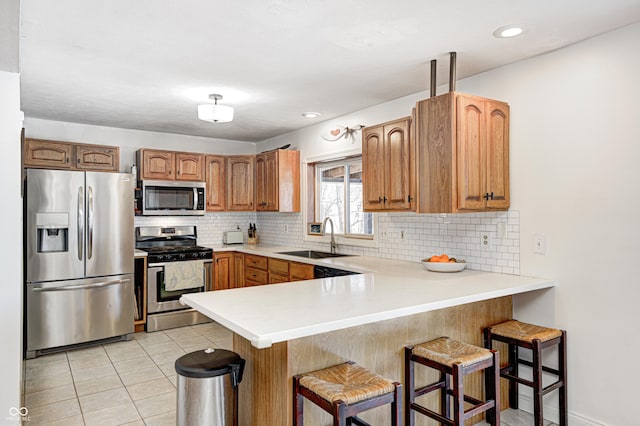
{"x": 323, "y": 230}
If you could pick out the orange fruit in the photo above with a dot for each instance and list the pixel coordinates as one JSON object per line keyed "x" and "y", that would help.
{"x": 444, "y": 258}
{"x": 434, "y": 258}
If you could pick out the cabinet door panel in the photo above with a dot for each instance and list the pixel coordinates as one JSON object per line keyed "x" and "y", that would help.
{"x": 373, "y": 168}
{"x": 300, "y": 271}
{"x": 271, "y": 181}
{"x": 41, "y": 153}
{"x": 471, "y": 131}
{"x": 238, "y": 270}
{"x": 397, "y": 165}
{"x": 90, "y": 157}
{"x": 216, "y": 181}
{"x": 223, "y": 268}
{"x": 189, "y": 166}
{"x": 497, "y": 154}
{"x": 157, "y": 164}
{"x": 240, "y": 178}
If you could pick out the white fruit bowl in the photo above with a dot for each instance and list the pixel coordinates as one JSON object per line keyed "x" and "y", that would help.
{"x": 444, "y": 266}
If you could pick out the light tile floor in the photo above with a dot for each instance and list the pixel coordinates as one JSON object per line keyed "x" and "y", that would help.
{"x": 130, "y": 383}
{"x": 123, "y": 383}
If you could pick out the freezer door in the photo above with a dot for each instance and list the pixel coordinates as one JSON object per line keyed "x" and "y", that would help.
{"x": 109, "y": 225}
{"x": 64, "y": 313}
{"x": 54, "y": 225}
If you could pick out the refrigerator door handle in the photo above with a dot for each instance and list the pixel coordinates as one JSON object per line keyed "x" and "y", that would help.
{"x": 80, "y": 221}
{"x": 90, "y": 223}
{"x": 82, "y": 286}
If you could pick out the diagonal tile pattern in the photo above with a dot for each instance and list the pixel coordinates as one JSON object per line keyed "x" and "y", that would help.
{"x": 123, "y": 383}
{"x": 129, "y": 383}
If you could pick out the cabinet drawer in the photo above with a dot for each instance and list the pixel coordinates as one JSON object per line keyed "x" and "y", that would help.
{"x": 277, "y": 278}
{"x": 254, "y": 276}
{"x": 279, "y": 266}
{"x": 300, "y": 271}
{"x": 253, "y": 261}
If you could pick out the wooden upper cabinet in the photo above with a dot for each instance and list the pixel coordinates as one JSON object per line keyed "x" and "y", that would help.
{"x": 388, "y": 166}
{"x": 156, "y": 164}
{"x": 71, "y": 156}
{"x": 240, "y": 179}
{"x": 278, "y": 181}
{"x": 42, "y": 153}
{"x": 216, "y": 181}
{"x": 96, "y": 157}
{"x": 189, "y": 166}
{"x": 463, "y": 154}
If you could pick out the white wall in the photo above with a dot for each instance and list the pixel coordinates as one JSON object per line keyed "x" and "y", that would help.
{"x": 130, "y": 140}
{"x": 11, "y": 259}
{"x": 575, "y": 153}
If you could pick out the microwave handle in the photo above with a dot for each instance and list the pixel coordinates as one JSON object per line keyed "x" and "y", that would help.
{"x": 195, "y": 198}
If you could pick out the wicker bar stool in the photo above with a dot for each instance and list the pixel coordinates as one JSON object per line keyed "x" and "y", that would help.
{"x": 344, "y": 391}
{"x": 519, "y": 334}
{"x": 454, "y": 360}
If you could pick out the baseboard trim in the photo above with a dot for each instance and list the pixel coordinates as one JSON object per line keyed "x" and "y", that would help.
{"x": 551, "y": 413}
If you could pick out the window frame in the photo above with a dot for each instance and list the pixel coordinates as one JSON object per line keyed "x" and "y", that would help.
{"x": 310, "y": 211}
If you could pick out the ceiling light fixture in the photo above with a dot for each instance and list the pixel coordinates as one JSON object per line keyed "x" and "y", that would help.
{"x": 508, "y": 31}
{"x": 311, "y": 114}
{"x": 215, "y": 113}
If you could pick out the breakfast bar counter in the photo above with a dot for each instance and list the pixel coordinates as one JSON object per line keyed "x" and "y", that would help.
{"x": 290, "y": 328}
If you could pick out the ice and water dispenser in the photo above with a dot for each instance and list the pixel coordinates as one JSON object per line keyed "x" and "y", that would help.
{"x": 52, "y": 232}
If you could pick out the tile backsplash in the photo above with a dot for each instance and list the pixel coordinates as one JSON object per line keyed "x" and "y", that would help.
{"x": 402, "y": 236}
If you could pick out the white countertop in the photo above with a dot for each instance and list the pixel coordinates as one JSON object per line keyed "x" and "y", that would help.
{"x": 139, "y": 253}
{"x": 386, "y": 289}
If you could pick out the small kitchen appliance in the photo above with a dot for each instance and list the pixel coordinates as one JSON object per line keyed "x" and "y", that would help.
{"x": 175, "y": 266}
{"x": 172, "y": 198}
{"x": 233, "y": 237}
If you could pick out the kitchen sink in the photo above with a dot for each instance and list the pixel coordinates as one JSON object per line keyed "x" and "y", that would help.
{"x": 313, "y": 254}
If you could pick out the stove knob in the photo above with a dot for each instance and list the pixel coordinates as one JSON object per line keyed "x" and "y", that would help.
{"x": 183, "y": 256}
{"x": 194, "y": 255}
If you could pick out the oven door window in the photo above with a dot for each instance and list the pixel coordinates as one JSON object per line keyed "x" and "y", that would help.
{"x": 167, "y": 296}
{"x": 170, "y": 198}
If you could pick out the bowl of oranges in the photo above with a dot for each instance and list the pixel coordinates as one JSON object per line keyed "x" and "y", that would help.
{"x": 443, "y": 263}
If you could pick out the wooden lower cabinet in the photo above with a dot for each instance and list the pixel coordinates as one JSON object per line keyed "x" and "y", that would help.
{"x": 223, "y": 270}
{"x": 300, "y": 271}
{"x": 255, "y": 270}
{"x": 278, "y": 271}
{"x": 238, "y": 270}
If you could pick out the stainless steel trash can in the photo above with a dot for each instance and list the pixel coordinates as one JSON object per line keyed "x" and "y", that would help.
{"x": 207, "y": 388}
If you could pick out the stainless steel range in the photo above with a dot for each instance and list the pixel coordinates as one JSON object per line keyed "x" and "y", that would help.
{"x": 176, "y": 266}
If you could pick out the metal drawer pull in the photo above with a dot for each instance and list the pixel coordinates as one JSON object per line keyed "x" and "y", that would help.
{"x": 82, "y": 286}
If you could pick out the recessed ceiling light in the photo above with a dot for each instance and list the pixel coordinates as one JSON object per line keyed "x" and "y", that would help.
{"x": 311, "y": 114}
{"x": 508, "y": 31}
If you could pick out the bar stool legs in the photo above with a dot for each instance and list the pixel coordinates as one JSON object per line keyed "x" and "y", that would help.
{"x": 517, "y": 334}
{"x": 454, "y": 360}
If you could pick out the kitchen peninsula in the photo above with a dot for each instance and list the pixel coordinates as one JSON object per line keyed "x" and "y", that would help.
{"x": 290, "y": 328}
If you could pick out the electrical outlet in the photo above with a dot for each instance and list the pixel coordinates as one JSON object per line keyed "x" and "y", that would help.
{"x": 539, "y": 244}
{"x": 485, "y": 241}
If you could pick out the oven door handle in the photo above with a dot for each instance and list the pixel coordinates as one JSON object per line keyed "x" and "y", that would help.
{"x": 82, "y": 286}
{"x": 163, "y": 264}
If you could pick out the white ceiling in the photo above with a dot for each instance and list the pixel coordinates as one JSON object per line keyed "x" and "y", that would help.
{"x": 135, "y": 63}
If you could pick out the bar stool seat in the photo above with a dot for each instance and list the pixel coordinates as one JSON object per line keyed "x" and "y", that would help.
{"x": 454, "y": 360}
{"x": 536, "y": 338}
{"x": 344, "y": 390}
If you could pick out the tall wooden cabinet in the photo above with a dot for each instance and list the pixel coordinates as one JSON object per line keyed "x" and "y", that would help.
{"x": 278, "y": 181}
{"x": 240, "y": 180}
{"x": 216, "y": 182}
{"x": 388, "y": 166}
{"x": 463, "y": 154}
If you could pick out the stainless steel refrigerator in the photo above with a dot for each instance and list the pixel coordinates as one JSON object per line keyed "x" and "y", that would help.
{"x": 79, "y": 239}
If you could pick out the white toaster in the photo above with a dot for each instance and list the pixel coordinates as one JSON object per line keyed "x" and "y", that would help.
{"x": 233, "y": 237}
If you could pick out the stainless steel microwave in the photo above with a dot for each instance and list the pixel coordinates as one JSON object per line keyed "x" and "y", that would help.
{"x": 172, "y": 198}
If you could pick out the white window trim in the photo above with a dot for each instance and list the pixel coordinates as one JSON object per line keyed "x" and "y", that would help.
{"x": 340, "y": 240}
